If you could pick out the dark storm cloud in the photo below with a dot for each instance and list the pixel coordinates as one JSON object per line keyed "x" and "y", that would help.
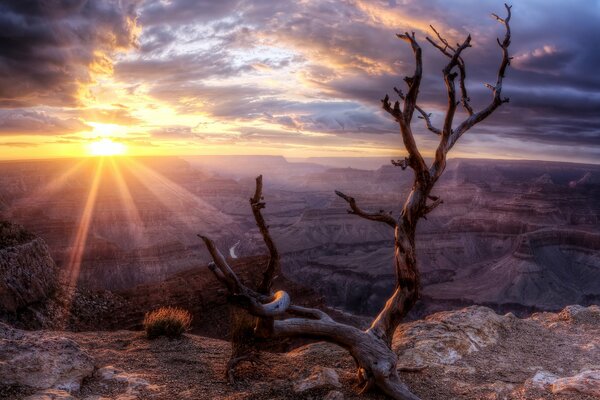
{"x": 26, "y": 122}
{"x": 184, "y": 11}
{"x": 48, "y": 47}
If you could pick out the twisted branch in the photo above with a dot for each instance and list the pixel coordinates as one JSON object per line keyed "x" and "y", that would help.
{"x": 273, "y": 265}
{"x": 354, "y": 209}
{"x": 424, "y": 116}
{"x": 497, "y": 99}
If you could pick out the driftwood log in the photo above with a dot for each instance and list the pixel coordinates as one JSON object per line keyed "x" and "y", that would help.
{"x": 275, "y": 314}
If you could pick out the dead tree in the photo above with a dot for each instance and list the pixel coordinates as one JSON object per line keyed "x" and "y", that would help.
{"x": 371, "y": 349}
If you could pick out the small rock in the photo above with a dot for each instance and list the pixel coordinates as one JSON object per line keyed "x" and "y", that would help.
{"x": 334, "y": 395}
{"x": 541, "y": 380}
{"x": 319, "y": 378}
{"x": 134, "y": 382}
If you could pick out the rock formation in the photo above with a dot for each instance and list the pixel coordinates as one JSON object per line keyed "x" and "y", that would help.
{"x": 28, "y": 274}
{"x": 466, "y": 354}
{"x": 41, "y": 360}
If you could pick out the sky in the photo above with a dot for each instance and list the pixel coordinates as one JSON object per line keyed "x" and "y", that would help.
{"x": 300, "y": 78}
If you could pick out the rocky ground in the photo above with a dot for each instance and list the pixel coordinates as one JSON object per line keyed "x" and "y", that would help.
{"x": 471, "y": 353}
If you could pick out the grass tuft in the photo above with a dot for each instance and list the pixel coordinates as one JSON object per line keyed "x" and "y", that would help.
{"x": 171, "y": 322}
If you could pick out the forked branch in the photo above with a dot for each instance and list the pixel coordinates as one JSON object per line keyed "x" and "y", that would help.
{"x": 497, "y": 99}
{"x": 273, "y": 265}
{"x": 450, "y": 135}
{"x": 449, "y": 51}
{"x": 380, "y": 216}
{"x": 404, "y": 117}
{"x": 424, "y": 116}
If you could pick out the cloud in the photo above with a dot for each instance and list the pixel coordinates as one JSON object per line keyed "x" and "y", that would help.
{"x": 543, "y": 59}
{"x": 49, "y": 49}
{"x": 119, "y": 115}
{"x": 174, "y": 132}
{"x": 18, "y": 144}
{"x": 184, "y": 11}
{"x": 27, "y": 122}
{"x": 178, "y": 68}
{"x": 347, "y": 53}
{"x": 296, "y": 68}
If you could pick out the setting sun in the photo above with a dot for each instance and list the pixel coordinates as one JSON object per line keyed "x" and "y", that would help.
{"x": 106, "y": 147}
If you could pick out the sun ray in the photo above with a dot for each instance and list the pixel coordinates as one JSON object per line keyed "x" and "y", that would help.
{"x": 78, "y": 247}
{"x": 31, "y": 202}
{"x": 174, "y": 197}
{"x": 134, "y": 221}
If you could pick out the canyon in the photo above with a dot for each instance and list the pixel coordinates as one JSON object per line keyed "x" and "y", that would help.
{"x": 516, "y": 236}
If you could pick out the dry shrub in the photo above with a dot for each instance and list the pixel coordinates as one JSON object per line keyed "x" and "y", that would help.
{"x": 171, "y": 322}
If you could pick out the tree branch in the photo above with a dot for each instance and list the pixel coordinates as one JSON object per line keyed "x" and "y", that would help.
{"x": 273, "y": 265}
{"x": 424, "y": 116}
{"x": 449, "y": 77}
{"x": 354, "y": 209}
{"x": 461, "y": 67}
{"x": 258, "y": 304}
{"x": 404, "y": 118}
{"x": 372, "y": 354}
{"x": 497, "y": 99}
{"x": 429, "y": 208}
{"x": 312, "y": 313}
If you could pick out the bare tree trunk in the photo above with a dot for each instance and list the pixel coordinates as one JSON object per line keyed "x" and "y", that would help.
{"x": 275, "y": 315}
{"x": 244, "y": 346}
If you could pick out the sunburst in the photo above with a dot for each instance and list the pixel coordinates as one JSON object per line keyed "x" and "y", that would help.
{"x": 106, "y": 147}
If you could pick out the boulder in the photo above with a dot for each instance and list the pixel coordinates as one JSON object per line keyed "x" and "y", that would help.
{"x": 445, "y": 337}
{"x": 41, "y": 360}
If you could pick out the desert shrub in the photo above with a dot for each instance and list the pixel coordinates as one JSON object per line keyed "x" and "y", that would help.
{"x": 171, "y": 322}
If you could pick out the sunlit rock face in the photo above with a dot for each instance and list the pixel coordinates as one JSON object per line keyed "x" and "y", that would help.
{"x": 446, "y": 337}
{"x": 474, "y": 353}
